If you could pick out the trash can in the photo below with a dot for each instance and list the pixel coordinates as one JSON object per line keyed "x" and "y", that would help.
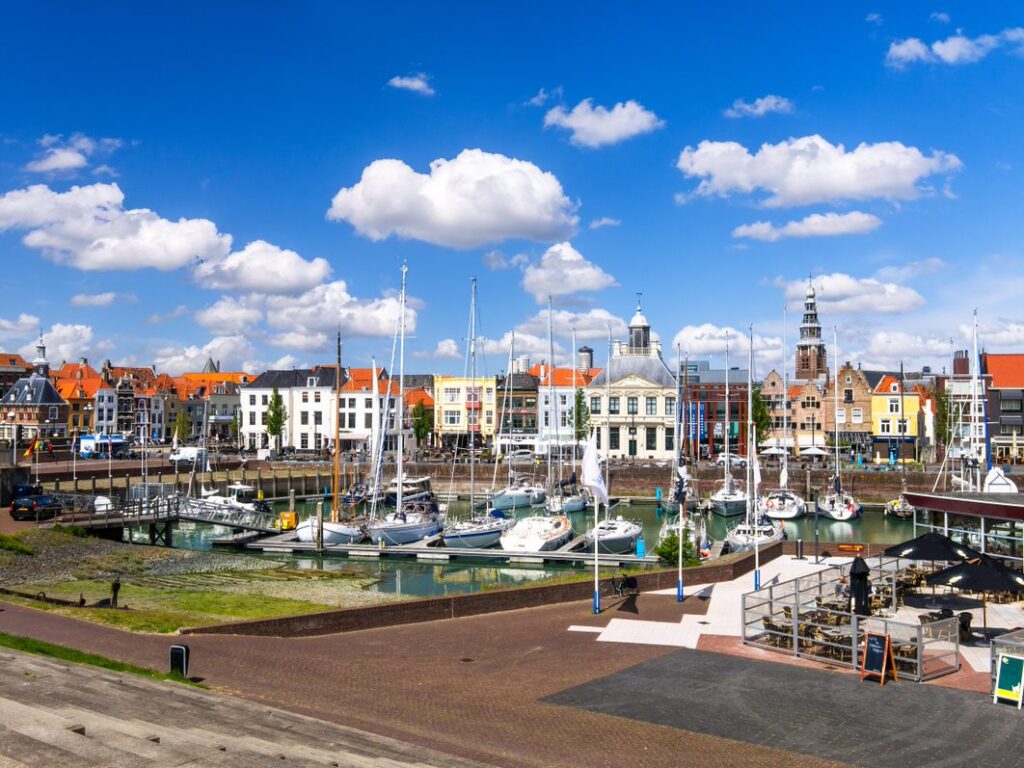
{"x": 800, "y": 549}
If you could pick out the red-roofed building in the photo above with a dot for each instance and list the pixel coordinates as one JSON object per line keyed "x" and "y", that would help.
{"x": 1005, "y": 380}
{"x": 12, "y": 368}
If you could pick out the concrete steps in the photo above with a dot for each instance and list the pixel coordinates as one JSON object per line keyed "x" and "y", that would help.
{"x": 59, "y": 715}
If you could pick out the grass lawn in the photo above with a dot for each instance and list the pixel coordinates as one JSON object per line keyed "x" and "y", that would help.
{"x": 28, "y": 645}
{"x": 165, "y": 610}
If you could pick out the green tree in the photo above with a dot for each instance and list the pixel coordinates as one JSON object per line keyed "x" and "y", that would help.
{"x": 277, "y": 415}
{"x": 668, "y": 549}
{"x": 761, "y": 416}
{"x": 181, "y": 426}
{"x": 422, "y": 423}
{"x": 233, "y": 427}
{"x": 943, "y": 430}
{"x": 580, "y": 416}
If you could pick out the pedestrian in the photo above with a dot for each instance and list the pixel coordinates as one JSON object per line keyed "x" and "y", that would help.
{"x": 115, "y": 587}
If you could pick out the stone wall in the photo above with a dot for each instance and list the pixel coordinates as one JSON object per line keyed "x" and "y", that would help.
{"x": 458, "y": 606}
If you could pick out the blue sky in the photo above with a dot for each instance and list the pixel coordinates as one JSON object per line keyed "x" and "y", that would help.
{"x": 875, "y": 147}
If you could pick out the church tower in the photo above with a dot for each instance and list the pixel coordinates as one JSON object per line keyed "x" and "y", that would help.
{"x": 811, "y": 356}
{"x": 639, "y": 332}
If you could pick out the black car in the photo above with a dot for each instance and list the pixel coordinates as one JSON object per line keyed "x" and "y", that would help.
{"x": 37, "y": 507}
{"x": 25, "y": 489}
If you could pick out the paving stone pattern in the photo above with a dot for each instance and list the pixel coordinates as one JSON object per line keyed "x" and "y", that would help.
{"x": 828, "y": 715}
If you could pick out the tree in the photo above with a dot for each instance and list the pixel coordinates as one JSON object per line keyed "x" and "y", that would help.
{"x": 580, "y": 416}
{"x": 422, "y": 423}
{"x": 233, "y": 427}
{"x": 761, "y": 416}
{"x": 943, "y": 428}
{"x": 668, "y": 549}
{"x": 277, "y": 415}
{"x": 181, "y": 426}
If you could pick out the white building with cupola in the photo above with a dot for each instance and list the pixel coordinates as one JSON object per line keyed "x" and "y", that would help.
{"x": 633, "y": 399}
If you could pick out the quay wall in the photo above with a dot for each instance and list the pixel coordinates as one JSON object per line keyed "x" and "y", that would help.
{"x": 473, "y": 604}
{"x": 629, "y": 480}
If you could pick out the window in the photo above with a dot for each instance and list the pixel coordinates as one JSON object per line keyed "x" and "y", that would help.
{"x": 303, "y": 418}
{"x": 595, "y": 404}
{"x": 316, "y": 396}
{"x": 670, "y": 406}
{"x": 489, "y": 394}
{"x": 368, "y": 403}
{"x": 451, "y": 394}
{"x": 263, "y": 418}
{"x": 651, "y": 406}
{"x": 613, "y": 407}
{"x": 351, "y": 421}
{"x": 252, "y": 418}
{"x": 452, "y": 418}
{"x": 598, "y": 440}
{"x": 547, "y": 418}
{"x": 894, "y": 405}
{"x": 265, "y": 400}
{"x": 489, "y": 418}
{"x": 367, "y": 421}
{"x": 849, "y": 379}
{"x": 352, "y": 403}
{"x": 318, "y": 417}
{"x": 563, "y": 418}
{"x": 857, "y": 415}
{"x": 613, "y": 439}
{"x": 894, "y": 387}
{"x": 53, "y": 412}
{"x": 632, "y": 406}
{"x": 840, "y": 415}
{"x": 562, "y": 401}
{"x": 305, "y": 397}
{"x": 903, "y": 426}
{"x": 252, "y": 399}
{"x": 1010, "y": 405}
{"x": 311, "y": 381}
{"x": 670, "y": 438}
{"x": 847, "y": 395}
{"x": 652, "y": 439}
{"x": 303, "y": 440}
{"x": 809, "y": 403}
{"x": 885, "y": 427}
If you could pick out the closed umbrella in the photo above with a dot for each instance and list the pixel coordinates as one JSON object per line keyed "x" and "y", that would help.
{"x": 982, "y": 575}
{"x": 859, "y": 588}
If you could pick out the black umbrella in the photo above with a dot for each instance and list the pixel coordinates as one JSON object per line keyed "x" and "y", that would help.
{"x": 932, "y": 546}
{"x": 982, "y": 575}
{"x": 859, "y": 589}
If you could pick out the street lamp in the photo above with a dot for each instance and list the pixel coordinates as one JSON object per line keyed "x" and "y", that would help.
{"x": 14, "y": 439}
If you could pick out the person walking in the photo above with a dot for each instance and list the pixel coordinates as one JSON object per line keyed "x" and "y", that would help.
{"x": 115, "y": 587}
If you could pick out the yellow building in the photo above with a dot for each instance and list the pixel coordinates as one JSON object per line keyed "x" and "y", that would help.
{"x": 463, "y": 406}
{"x": 894, "y": 421}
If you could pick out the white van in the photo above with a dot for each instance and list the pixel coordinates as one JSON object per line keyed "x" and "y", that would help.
{"x": 188, "y": 454}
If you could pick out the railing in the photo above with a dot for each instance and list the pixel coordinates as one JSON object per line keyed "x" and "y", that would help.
{"x": 809, "y": 618}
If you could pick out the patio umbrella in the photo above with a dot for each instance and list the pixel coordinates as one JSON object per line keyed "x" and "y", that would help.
{"x": 982, "y": 575}
{"x": 859, "y": 589}
{"x": 813, "y": 451}
{"x": 932, "y": 546}
{"x": 772, "y": 452}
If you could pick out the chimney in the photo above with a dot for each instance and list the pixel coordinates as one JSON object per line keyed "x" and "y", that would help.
{"x": 961, "y": 363}
{"x": 585, "y": 358}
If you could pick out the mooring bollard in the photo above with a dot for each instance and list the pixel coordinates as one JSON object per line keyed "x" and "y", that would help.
{"x": 800, "y": 550}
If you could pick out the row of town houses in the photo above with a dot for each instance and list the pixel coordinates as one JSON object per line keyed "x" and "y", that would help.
{"x": 634, "y": 404}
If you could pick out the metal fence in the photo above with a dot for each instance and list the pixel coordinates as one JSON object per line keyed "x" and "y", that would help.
{"x": 809, "y": 617}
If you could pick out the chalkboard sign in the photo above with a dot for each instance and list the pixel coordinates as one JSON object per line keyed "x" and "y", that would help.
{"x": 1009, "y": 678}
{"x": 878, "y": 659}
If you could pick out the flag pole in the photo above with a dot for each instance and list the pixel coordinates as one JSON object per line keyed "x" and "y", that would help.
{"x": 682, "y": 500}
{"x": 597, "y": 577}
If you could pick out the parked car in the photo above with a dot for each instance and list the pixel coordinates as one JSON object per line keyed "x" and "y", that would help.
{"x": 734, "y": 460}
{"x": 36, "y": 507}
{"x": 25, "y": 489}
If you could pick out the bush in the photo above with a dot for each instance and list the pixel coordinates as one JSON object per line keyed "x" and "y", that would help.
{"x": 11, "y": 544}
{"x": 668, "y": 550}
{"x": 71, "y": 530}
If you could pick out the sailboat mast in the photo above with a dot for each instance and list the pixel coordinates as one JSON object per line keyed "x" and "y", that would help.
{"x": 728, "y": 474}
{"x": 751, "y": 488}
{"x": 677, "y": 424}
{"x": 574, "y": 362}
{"x": 400, "y": 405}
{"x": 608, "y": 418}
{"x": 472, "y": 388}
{"x": 337, "y": 434}
{"x": 835, "y": 392}
{"x": 975, "y": 384}
{"x": 552, "y": 408}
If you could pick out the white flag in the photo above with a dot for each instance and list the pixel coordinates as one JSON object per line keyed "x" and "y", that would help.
{"x": 757, "y": 472}
{"x": 784, "y": 476}
{"x": 592, "y": 477}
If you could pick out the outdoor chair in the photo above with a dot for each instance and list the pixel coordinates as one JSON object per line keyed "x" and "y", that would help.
{"x": 966, "y": 634}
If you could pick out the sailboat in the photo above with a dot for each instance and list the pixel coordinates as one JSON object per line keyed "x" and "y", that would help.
{"x": 755, "y": 530}
{"x": 334, "y": 531}
{"x": 417, "y": 519}
{"x": 782, "y": 503}
{"x": 542, "y": 532}
{"x": 728, "y": 499}
{"x": 478, "y": 531}
{"x": 837, "y": 503}
{"x": 566, "y": 497}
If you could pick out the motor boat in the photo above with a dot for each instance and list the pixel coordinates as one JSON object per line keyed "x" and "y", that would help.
{"x": 520, "y": 493}
{"x": 899, "y": 507}
{"x": 413, "y": 489}
{"x": 563, "y": 504}
{"x": 616, "y": 536}
{"x": 729, "y": 499}
{"x": 537, "y": 533}
{"x": 414, "y": 521}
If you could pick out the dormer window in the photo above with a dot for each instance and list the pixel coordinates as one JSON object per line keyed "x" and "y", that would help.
{"x": 311, "y": 381}
{"x": 894, "y": 387}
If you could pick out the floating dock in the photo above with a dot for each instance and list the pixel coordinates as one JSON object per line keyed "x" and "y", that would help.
{"x": 428, "y": 550}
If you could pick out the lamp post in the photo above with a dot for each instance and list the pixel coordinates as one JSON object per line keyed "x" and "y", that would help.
{"x": 14, "y": 439}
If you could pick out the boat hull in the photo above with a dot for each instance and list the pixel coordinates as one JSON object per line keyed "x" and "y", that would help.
{"x": 479, "y": 537}
{"x": 559, "y": 506}
{"x": 402, "y": 533}
{"x": 835, "y": 509}
{"x": 517, "y": 499}
{"x": 528, "y": 536}
{"x": 728, "y": 507}
{"x": 783, "y": 507}
{"x": 334, "y": 533}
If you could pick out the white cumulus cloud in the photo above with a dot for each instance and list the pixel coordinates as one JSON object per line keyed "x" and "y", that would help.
{"x": 599, "y": 126}
{"x": 812, "y": 170}
{"x": 418, "y": 83}
{"x": 590, "y": 325}
{"x": 604, "y": 221}
{"x": 912, "y": 269}
{"x": 64, "y": 341}
{"x": 710, "y": 339}
{"x": 15, "y": 329}
{"x": 561, "y": 271}
{"x": 446, "y": 349}
{"x": 263, "y": 267}
{"x": 760, "y": 107}
{"x": 60, "y": 155}
{"x": 842, "y": 294}
{"x": 104, "y": 299}
{"x": 231, "y": 315}
{"x": 232, "y": 351}
{"x": 954, "y": 50}
{"x": 322, "y": 309}
{"x": 476, "y": 198}
{"x": 814, "y": 225}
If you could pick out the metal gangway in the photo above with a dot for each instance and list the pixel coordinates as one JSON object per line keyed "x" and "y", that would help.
{"x": 218, "y": 513}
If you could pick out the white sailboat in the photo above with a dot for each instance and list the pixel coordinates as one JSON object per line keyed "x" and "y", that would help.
{"x": 838, "y": 504}
{"x": 566, "y": 497}
{"x": 782, "y": 503}
{"x": 755, "y": 531}
{"x": 415, "y": 520}
{"x": 477, "y": 531}
{"x": 616, "y": 535}
{"x": 729, "y": 498}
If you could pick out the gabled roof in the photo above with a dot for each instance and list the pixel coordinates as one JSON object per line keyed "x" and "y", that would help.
{"x": 296, "y": 377}
{"x": 33, "y": 390}
{"x": 886, "y": 383}
{"x": 11, "y": 359}
{"x": 563, "y": 377}
{"x": 78, "y": 389}
{"x": 233, "y": 377}
{"x": 80, "y": 370}
{"x": 1007, "y": 371}
{"x": 417, "y": 396}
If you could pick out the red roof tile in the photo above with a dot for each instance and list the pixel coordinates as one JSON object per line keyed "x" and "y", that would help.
{"x": 1007, "y": 371}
